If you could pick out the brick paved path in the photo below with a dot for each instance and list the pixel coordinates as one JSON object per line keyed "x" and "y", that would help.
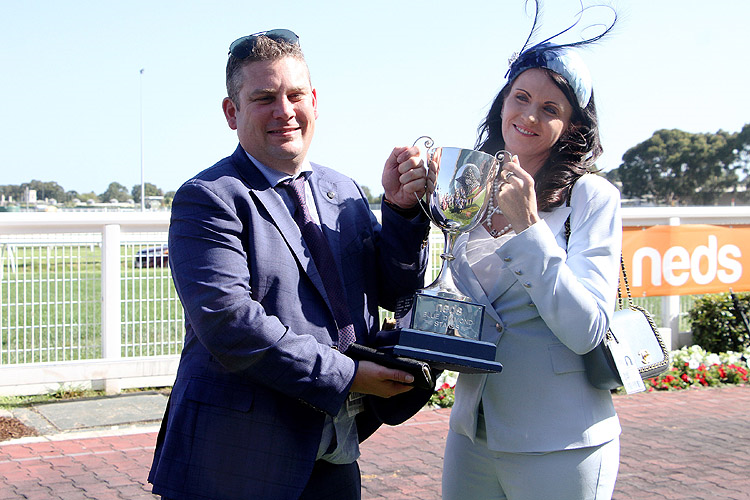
{"x": 685, "y": 445}
{"x": 678, "y": 446}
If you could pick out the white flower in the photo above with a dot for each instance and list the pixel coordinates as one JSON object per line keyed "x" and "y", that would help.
{"x": 448, "y": 377}
{"x": 694, "y": 356}
{"x": 713, "y": 359}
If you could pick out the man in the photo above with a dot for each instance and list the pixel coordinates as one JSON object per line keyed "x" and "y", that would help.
{"x": 265, "y": 398}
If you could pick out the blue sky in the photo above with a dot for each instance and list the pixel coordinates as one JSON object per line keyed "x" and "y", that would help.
{"x": 386, "y": 73}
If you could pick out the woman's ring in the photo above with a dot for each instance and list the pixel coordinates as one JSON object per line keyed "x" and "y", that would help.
{"x": 508, "y": 175}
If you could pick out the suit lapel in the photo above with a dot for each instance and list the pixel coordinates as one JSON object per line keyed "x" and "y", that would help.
{"x": 469, "y": 283}
{"x": 289, "y": 229}
{"x": 327, "y": 202}
{"x": 465, "y": 279}
{"x": 267, "y": 197}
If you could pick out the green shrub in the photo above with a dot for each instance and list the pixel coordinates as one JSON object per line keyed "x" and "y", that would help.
{"x": 716, "y": 325}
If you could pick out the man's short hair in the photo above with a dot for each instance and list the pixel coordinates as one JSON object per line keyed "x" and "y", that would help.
{"x": 265, "y": 49}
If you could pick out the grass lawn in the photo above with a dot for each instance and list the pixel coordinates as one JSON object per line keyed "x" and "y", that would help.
{"x": 51, "y": 306}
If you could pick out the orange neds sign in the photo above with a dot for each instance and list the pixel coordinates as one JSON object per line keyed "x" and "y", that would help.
{"x": 685, "y": 260}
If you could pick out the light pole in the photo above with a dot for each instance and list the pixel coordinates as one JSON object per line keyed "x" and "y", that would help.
{"x": 143, "y": 186}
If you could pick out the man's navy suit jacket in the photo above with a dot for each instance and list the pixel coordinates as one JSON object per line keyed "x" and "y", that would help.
{"x": 258, "y": 373}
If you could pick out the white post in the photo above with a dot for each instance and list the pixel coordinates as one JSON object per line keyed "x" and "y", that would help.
{"x": 143, "y": 189}
{"x": 111, "y": 323}
{"x": 671, "y": 307}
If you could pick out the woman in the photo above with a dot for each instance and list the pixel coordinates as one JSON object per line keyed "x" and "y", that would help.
{"x": 539, "y": 430}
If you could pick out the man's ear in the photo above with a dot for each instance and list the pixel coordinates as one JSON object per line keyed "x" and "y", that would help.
{"x": 315, "y": 102}
{"x": 230, "y": 112}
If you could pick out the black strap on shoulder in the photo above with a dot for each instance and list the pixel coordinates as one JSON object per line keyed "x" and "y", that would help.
{"x": 567, "y": 221}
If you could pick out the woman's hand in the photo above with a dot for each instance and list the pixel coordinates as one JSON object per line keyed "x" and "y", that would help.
{"x": 516, "y": 196}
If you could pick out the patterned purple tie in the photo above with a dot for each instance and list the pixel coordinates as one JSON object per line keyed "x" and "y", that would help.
{"x": 324, "y": 261}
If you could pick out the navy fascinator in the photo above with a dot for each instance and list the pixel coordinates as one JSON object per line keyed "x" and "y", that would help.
{"x": 560, "y": 58}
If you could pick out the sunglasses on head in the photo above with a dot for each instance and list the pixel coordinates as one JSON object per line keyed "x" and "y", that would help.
{"x": 243, "y": 47}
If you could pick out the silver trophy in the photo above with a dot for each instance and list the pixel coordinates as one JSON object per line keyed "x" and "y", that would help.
{"x": 439, "y": 324}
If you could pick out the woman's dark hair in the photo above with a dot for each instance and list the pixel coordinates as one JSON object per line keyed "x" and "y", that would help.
{"x": 573, "y": 155}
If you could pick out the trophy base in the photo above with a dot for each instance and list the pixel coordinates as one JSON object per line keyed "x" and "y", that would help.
{"x": 444, "y": 352}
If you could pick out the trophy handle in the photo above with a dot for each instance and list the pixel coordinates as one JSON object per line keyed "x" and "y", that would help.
{"x": 428, "y": 142}
{"x": 423, "y": 202}
{"x": 502, "y": 158}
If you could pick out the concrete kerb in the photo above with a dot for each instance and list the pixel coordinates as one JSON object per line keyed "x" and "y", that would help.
{"x": 92, "y": 417}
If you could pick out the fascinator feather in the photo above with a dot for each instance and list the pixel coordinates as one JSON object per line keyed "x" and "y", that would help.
{"x": 559, "y": 57}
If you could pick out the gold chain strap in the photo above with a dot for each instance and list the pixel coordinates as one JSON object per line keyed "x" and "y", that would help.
{"x": 624, "y": 277}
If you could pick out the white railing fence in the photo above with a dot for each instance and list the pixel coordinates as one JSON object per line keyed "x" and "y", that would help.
{"x": 80, "y": 306}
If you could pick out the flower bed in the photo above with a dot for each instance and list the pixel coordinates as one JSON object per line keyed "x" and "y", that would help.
{"x": 443, "y": 396}
{"x": 691, "y": 367}
{"x": 694, "y": 367}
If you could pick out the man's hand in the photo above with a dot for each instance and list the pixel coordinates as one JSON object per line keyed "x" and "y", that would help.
{"x": 372, "y": 378}
{"x": 404, "y": 177}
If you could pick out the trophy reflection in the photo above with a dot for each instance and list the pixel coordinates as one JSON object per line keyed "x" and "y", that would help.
{"x": 439, "y": 324}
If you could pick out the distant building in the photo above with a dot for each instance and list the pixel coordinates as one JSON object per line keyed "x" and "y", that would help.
{"x": 154, "y": 202}
{"x": 29, "y": 196}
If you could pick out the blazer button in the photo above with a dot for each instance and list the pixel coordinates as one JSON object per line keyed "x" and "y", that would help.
{"x": 498, "y": 327}
{"x": 518, "y": 273}
{"x": 527, "y": 285}
{"x": 507, "y": 259}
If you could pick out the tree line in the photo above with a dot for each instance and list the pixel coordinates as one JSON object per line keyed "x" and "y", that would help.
{"x": 114, "y": 192}
{"x": 672, "y": 167}
{"x": 54, "y": 191}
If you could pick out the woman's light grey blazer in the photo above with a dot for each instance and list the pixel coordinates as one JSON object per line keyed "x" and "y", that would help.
{"x": 548, "y": 308}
